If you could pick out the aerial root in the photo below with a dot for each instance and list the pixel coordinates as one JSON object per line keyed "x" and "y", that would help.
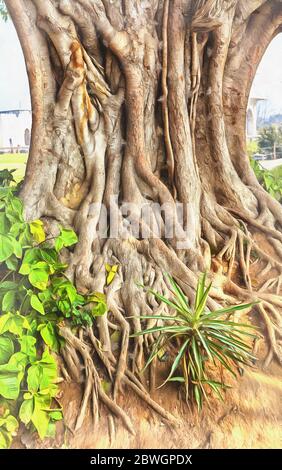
{"x": 122, "y": 362}
{"x": 74, "y": 368}
{"x": 92, "y": 379}
{"x": 117, "y": 372}
{"x": 264, "y": 228}
{"x": 273, "y": 331}
{"x": 228, "y": 251}
{"x": 268, "y": 306}
{"x": 238, "y": 233}
{"x": 271, "y": 283}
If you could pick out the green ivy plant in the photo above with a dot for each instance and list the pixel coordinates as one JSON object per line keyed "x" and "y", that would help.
{"x": 195, "y": 337}
{"x": 8, "y": 428}
{"x": 271, "y": 180}
{"x": 35, "y": 297}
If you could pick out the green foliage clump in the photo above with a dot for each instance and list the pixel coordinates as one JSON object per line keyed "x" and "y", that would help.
{"x": 196, "y": 338}
{"x": 6, "y": 177}
{"x": 35, "y": 298}
{"x": 8, "y": 428}
{"x": 252, "y": 148}
{"x": 271, "y": 180}
{"x": 3, "y": 11}
{"x": 268, "y": 137}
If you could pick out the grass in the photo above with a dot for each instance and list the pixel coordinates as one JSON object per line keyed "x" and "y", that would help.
{"x": 17, "y": 161}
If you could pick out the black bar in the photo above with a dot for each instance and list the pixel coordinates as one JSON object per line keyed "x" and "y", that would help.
{"x": 134, "y": 458}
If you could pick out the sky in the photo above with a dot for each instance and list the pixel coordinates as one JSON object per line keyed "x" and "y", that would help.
{"x": 268, "y": 80}
{"x": 14, "y": 90}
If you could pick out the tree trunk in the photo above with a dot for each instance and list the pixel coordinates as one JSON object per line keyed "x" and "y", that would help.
{"x": 138, "y": 103}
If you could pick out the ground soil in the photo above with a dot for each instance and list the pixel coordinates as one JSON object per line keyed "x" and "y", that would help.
{"x": 249, "y": 417}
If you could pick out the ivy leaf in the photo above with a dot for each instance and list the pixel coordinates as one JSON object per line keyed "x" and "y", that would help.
{"x": 39, "y": 278}
{"x": 11, "y": 424}
{"x": 101, "y": 306}
{"x": 111, "y": 270}
{"x": 8, "y": 285}
{"x": 5, "y": 322}
{"x": 64, "y": 307}
{"x": 56, "y": 415}
{"x": 17, "y": 228}
{"x": 37, "y": 304}
{"x": 6, "y": 349}
{"x": 8, "y": 428}
{"x": 5, "y": 439}
{"x": 66, "y": 238}
{"x": 14, "y": 210}
{"x": 8, "y": 301}
{"x": 59, "y": 244}
{"x": 69, "y": 237}
{"x": 9, "y": 381}
{"x": 20, "y": 361}
{"x": 49, "y": 255}
{"x": 51, "y": 432}
{"x": 12, "y": 263}
{"x": 14, "y": 323}
{"x": 48, "y": 334}
{"x": 4, "y": 223}
{"x": 18, "y": 251}
{"x": 42, "y": 373}
{"x": 37, "y": 230}
{"x": 26, "y": 411}
{"x": 40, "y": 418}
{"x": 6, "y": 248}
{"x": 31, "y": 257}
{"x": 49, "y": 370}
{"x": 33, "y": 378}
{"x": 28, "y": 343}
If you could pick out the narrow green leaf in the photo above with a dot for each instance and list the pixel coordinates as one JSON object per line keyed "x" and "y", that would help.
{"x": 179, "y": 294}
{"x": 37, "y": 304}
{"x": 202, "y": 303}
{"x": 166, "y": 328}
{"x": 200, "y": 290}
{"x": 177, "y": 360}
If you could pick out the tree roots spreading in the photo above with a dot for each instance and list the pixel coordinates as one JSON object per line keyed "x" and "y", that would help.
{"x": 102, "y": 360}
{"x": 141, "y": 101}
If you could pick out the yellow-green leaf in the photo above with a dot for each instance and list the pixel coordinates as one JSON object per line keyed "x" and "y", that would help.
{"x": 37, "y": 230}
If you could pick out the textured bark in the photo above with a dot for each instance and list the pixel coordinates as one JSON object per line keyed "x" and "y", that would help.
{"x": 145, "y": 100}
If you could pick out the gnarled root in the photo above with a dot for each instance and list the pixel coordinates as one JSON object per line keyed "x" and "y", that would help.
{"x": 93, "y": 386}
{"x": 145, "y": 262}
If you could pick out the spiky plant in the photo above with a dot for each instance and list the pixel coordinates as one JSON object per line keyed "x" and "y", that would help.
{"x": 197, "y": 337}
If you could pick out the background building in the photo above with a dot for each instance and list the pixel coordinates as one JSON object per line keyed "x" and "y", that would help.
{"x": 15, "y": 129}
{"x": 252, "y": 117}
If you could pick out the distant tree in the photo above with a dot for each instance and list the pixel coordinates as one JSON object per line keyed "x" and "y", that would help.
{"x": 3, "y": 11}
{"x": 268, "y": 137}
{"x": 252, "y": 148}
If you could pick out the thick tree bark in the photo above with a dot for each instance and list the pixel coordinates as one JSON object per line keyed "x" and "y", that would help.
{"x": 144, "y": 101}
